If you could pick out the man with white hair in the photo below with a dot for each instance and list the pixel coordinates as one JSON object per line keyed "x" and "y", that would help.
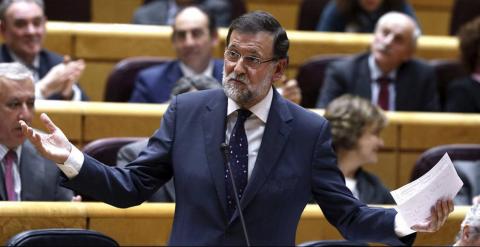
{"x": 469, "y": 234}
{"x": 388, "y": 75}
{"x": 24, "y": 174}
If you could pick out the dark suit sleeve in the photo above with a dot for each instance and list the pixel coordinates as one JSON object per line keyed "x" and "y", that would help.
{"x": 458, "y": 97}
{"x": 431, "y": 98}
{"x": 354, "y": 220}
{"x": 333, "y": 85}
{"x": 141, "y": 90}
{"x": 132, "y": 185}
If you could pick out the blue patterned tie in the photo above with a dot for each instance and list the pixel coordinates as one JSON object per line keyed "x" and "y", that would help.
{"x": 238, "y": 159}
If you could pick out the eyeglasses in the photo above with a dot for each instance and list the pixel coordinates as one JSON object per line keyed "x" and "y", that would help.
{"x": 249, "y": 61}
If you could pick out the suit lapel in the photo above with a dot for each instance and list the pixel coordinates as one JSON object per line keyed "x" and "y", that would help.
{"x": 363, "y": 79}
{"x": 3, "y": 194}
{"x": 216, "y": 112}
{"x": 403, "y": 87}
{"x": 277, "y": 130}
{"x": 31, "y": 169}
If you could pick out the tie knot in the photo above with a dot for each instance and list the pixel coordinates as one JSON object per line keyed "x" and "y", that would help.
{"x": 243, "y": 114}
{"x": 384, "y": 80}
{"x": 10, "y": 157}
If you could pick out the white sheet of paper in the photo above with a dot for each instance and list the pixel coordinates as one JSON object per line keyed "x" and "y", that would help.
{"x": 415, "y": 200}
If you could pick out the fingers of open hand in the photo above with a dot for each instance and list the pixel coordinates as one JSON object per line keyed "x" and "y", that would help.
{"x": 51, "y": 127}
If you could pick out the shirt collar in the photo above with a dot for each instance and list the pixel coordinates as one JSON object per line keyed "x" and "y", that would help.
{"x": 4, "y": 150}
{"x": 376, "y": 72}
{"x": 187, "y": 71}
{"x": 261, "y": 109}
{"x": 36, "y": 61}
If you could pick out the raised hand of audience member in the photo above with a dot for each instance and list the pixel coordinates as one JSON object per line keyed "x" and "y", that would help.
{"x": 291, "y": 91}
{"x": 61, "y": 78}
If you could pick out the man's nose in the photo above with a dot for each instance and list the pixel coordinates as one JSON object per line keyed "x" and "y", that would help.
{"x": 26, "y": 112}
{"x": 189, "y": 39}
{"x": 239, "y": 66}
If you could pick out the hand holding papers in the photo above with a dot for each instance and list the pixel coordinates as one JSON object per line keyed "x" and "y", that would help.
{"x": 415, "y": 200}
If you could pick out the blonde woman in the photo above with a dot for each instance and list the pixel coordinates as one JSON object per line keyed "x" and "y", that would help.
{"x": 356, "y": 125}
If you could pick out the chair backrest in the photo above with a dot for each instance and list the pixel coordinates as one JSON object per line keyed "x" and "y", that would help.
{"x": 463, "y": 11}
{"x": 456, "y": 152}
{"x": 105, "y": 149}
{"x": 61, "y": 237}
{"x": 310, "y": 78}
{"x": 309, "y": 14}
{"x": 446, "y": 71}
{"x": 121, "y": 81}
{"x": 68, "y": 10}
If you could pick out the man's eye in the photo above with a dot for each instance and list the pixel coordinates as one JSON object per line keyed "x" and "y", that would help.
{"x": 13, "y": 105}
{"x": 252, "y": 60}
{"x": 20, "y": 24}
{"x": 233, "y": 54}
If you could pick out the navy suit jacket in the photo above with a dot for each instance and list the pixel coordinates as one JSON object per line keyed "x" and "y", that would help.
{"x": 415, "y": 85}
{"x": 48, "y": 60}
{"x": 295, "y": 160}
{"x": 40, "y": 178}
{"x": 155, "y": 84}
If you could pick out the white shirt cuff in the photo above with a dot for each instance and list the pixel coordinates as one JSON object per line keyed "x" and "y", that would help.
{"x": 401, "y": 227}
{"x": 73, "y": 164}
{"x": 77, "y": 93}
{"x": 38, "y": 93}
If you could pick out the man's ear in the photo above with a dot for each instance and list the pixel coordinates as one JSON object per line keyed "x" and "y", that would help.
{"x": 214, "y": 36}
{"x": 2, "y": 27}
{"x": 465, "y": 233}
{"x": 280, "y": 68}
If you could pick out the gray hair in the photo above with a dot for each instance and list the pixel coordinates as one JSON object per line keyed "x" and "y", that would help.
{"x": 417, "y": 32}
{"x": 197, "y": 82}
{"x": 15, "y": 71}
{"x": 472, "y": 219}
{"x": 7, "y": 3}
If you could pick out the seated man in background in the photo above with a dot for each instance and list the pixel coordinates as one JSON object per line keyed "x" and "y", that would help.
{"x": 388, "y": 76}
{"x": 130, "y": 152}
{"x": 359, "y": 16}
{"x": 194, "y": 38}
{"x": 469, "y": 234}
{"x": 356, "y": 125}
{"x": 162, "y": 12}
{"x": 23, "y": 30}
{"x": 463, "y": 94}
{"x": 25, "y": 175}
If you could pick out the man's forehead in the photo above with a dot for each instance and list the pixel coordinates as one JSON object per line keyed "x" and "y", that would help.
{"x": 24, "y": 8}
{"x": 252, "y": 40}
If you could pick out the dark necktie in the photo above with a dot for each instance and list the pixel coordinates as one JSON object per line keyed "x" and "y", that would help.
{"x": 238, "y": 159}
{"x": 9, "y": 161}
{"x": 383, "y": 96}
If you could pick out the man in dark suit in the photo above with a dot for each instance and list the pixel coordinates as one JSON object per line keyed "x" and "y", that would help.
{"x": 23, "y": 30}
{"x": 284, "y": 155}
{"x": 388, "y": 75}
{"x": 25, "y": 175}
{"x": 162, "y": 12}
{"x": 194, "y": 38}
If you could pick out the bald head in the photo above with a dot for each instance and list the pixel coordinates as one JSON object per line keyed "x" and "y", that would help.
{"x": 394, "y": 40}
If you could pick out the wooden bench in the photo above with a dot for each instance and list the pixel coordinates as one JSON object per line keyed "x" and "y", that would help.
{"x": 150, "y": 223}
{"x": 407, "y": 135}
